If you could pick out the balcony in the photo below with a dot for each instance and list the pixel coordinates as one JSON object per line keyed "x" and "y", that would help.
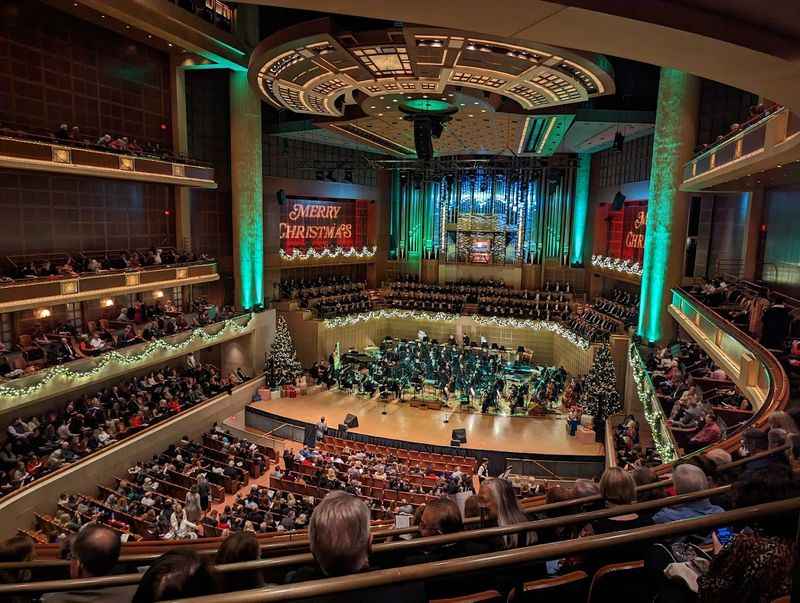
{"x": 770, "y": 142}
{"x": 65, "y": 378}
{"x": 33, "y": 152}
{"x": 753, "y": 368}
{"x": 38, "y": 292}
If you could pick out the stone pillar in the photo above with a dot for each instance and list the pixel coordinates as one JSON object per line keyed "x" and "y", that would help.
{"x": 180, "y": 143}
{"x": 752, "y": 233}
{"x": 580, "y": 212}
{"x": 667, "y": 209}
{"x": 247, "y": 191}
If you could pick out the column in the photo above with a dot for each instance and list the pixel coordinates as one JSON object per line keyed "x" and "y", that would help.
{"x": 580, "y": 211}
{"x": 667, "y": 209}
{"x": 247, "y": 191}
{"x": 752, "y": 233}
{"x": 180, "y": 143}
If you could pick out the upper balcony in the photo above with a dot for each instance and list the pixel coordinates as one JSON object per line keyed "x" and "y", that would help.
{"x": 769, "y": 142}
{"x": 36, "y": 151}
{"x": 46, "y": 291}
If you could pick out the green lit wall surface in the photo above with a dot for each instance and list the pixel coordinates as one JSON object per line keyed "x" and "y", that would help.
{"x": 247, "y": 191}
{"x": 581, "y": 208}
{"x": 674, "y": 131}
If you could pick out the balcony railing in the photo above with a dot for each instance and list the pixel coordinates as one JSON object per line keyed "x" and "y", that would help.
{"x": 63, "y": 378}
{"x": 47, "y": 291}
{"x": 28, "y": 152}
{"x": 753, "y": 368}
{"x": 762, "y": 145}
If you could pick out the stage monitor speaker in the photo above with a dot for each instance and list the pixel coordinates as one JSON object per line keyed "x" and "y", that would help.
{"x": 618, "y": 202}
{"x": 351, "y": 421}
{"x": 455, "y": 443}
{"x": 460, "y": 435}
{"x": 342, "y": 427}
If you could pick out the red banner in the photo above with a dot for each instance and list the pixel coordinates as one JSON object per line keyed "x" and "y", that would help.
{"x": 626, "y": 229}
{"x": 321, "y": 223}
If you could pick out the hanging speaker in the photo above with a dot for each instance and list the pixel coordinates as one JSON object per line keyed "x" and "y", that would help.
{"x": 618, "y": 202}
{"x": 281, "y": 194}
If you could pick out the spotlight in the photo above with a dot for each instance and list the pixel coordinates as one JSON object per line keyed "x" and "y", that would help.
{"x": 320, "y": 175}
{"x": 331, "y": 176}
{"x": 471, "y": 46}
{"x": 619, "y": 140}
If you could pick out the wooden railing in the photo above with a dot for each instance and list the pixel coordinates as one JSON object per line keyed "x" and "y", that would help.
{"x": 769, "y": 142}
{"x": 47, "y": 291}
{"x": 66, "y": 158}
{"x": 485, "y": 562}
{"x": 752, "y": 367}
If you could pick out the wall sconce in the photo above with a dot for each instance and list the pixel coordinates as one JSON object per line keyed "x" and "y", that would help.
{"x": 42, "y": 313}
{"x": 158, "y": 294}
{"x": 107, "y": 303}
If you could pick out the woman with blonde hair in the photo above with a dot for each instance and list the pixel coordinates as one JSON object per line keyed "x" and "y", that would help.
{"x": 501, "y": 507}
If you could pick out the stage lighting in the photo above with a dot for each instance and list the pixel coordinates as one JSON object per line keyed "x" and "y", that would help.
{"x": 619, "y": 140}
{"x": 320, "y": 175}
{"x": 331, "y": 176}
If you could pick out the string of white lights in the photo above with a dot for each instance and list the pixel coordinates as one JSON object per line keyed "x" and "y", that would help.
{"x": 105, "y": 362}
{"x": 313, "y": 254}
{"x": 617, "y": 265}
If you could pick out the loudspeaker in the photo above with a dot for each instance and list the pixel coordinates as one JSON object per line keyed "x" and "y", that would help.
{"x": 423, "y": 142}
{"x": 281, "y": 195}
{"x": 342, "y": 427}
{"x": 460, "y": 435}
{"x": 619, "y": 200}
{"x": 351, "y": 421}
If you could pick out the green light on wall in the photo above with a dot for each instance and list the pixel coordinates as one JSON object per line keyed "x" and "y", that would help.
{"x": 581, "y": 209}
{"x": 665, "y": 174}
{"x": 247, "y": 188}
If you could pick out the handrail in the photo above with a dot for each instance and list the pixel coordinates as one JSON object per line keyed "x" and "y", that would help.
{"x": 735, "y": 136}
{"x": 38, "y": 280}
{"x": 441, "y": 568}
{"x": 490, "y": 561}
{"x": 661, "y": 434}
{"x": 777, "y": 396}
{"x": 389, "y": 547}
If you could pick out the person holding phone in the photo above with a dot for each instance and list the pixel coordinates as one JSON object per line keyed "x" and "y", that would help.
{"x": 756, "y": 564}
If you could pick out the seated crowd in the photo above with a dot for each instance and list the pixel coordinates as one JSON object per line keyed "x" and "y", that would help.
{"x": 753, "y": 564}
{"x": 169, "y": 497}
{"x": 72, "y": 136}
{"x": 37, "y": 445}
{"x": 702, "y": 404}
{"x": 493, "y": 298}
{"x": 612, "y": 314}
{"x": 137, "y": 323}
{"x": 328, "y": 296}
{"x": 95, "y": 262}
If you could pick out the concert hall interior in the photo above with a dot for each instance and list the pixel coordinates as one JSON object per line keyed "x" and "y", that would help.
{"x": 440, "y": 302}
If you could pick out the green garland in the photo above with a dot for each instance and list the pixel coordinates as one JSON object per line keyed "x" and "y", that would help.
{"x": 498, "y": 321}
{"x": 534, "y": 325}
{"x": 651, "y": 406}
{"x": 105, "y": 361}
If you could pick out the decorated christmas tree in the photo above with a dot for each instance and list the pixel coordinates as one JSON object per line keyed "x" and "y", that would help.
{"x": 600, "y": 397}
{"x": 282, "y": 366}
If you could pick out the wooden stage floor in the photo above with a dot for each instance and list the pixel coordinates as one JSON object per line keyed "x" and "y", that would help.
{"x": 546, "y": 436}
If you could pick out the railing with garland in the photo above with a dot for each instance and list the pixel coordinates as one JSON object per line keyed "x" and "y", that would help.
{"x": 494, "y": 321}
{"x": 654, "y": 414}
{"x": 85, "y": 370}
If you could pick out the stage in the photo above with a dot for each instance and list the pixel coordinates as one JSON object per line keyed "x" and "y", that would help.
{"x": 528, "y": 436}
